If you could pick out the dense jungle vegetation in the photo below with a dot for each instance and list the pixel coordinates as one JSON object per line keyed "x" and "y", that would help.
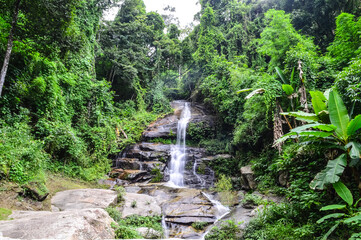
{"x": 283, "y": 77}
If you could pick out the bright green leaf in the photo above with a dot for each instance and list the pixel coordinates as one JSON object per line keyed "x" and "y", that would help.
{"x": 302, "y": 116}
{"x": 315, "y": 134}
{"x": 354, "y": 125}
{"x": 333, "y": 215}
{"x": 343, "y": 192}
{"x": 244, "y": 90}
{"x": 333, "y": 207}
{"x": 318, "y": 101}
{"x": 338, "y": 114}
{"x": 288, "y": 89}
{"x": 353, "y": 219}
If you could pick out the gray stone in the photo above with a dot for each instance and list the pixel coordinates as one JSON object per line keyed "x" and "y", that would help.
{"x": 127, "y": 163}
{"x": 283, "y": 178}
{"x": 149, "y": 233}
{"x": 140, "y": 204}
{"x": 78, "y": 224}
{"x": 248, "y": 178}
{"x": 83, "y": 199}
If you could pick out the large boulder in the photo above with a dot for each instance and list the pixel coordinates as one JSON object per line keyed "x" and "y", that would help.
{"x": 78, "y": 224}
{"x": 140, "y": 204}
{"x": 248, "y": 178}
{"x": 83, "y": 199}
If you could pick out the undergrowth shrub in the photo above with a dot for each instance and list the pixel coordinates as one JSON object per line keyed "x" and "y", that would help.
{"x": 227, "y": 230}
{"x": 22, "y": 158}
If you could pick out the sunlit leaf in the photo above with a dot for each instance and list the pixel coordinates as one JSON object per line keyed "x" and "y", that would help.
{"x": 343, "y": 192}
{"x": 338, "y": 114}
{"x": 354, "y": 125}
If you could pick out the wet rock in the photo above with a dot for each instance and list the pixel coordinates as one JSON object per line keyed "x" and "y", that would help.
{"x": 77, "y": 224}
{"x": 140, "y": 204}
{"x": 83, "y": 199}
{"x": 248, "y": 178}
{"x": 149, "y": 233}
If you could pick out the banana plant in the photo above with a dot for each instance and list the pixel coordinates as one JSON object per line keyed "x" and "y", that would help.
{"x": 347, "y": 213}
{"x": 330, "y": 123}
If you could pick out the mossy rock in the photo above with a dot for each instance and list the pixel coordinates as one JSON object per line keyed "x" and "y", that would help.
{"x": 5, "y": 213}
{"x": 36, "y": 190}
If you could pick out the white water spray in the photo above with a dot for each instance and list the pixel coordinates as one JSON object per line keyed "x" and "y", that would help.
{"x": 222, "y": 211}
{"x": 178, "y": 152}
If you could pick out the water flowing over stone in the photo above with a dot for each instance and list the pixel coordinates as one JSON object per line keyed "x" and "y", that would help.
{"x": 178, "y": 152}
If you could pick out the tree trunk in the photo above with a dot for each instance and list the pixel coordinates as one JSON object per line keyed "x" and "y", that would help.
{"x": 9, "y": 46}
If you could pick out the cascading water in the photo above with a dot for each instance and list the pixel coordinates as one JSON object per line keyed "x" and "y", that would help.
{"x": 178, "y": 152}
{"x": 222, "y": 211}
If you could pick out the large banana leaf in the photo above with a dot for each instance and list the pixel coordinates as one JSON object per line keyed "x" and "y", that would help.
{"x": 302, "y": 116}
{"x": 343, "y": 192}
{"x": 316, "y": 134}
{"x": 354, "y": 125}
{"x": 355, "y": 150}
{"x": 318, "y": 101}
{"x": 321, "y": 126}
{"x": 338, "y": 115}
{"x": 336, "y": 168}
{"x": 331, "y": 174}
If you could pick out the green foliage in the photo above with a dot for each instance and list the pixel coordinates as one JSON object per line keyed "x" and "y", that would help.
{"x": 224, "y": 188}
{"x": 347, "y": 39}
{"x": 227, "y": 230}
{"x": 199, "y": 131}
{"x": 341, "y": 126}
{"x": 22, "y": 157}
{"x": 253, "y": 199}
{"x": 4, "y": 213}
{"x": 120, "y": 193}
{"x": 278, "y": 37}
{"x": 200, "y": 225}
{"x": 114, "y": 213}
{"x": 163, "y": 140}
{"x": 126, "y": 232}
{"x": 157, "y": 175}
{"x": 351, "y": 215}
{"x": 279, "y": 221}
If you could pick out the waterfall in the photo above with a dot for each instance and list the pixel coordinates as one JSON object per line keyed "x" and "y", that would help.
{"x": 222, "y": 211}
{"x": 178, "y": 151}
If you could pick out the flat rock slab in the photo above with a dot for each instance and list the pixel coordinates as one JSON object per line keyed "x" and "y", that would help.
{"x": 77, "y": 224}
{"x": 83, "y": 199}
{"x": 140, "y": 204}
